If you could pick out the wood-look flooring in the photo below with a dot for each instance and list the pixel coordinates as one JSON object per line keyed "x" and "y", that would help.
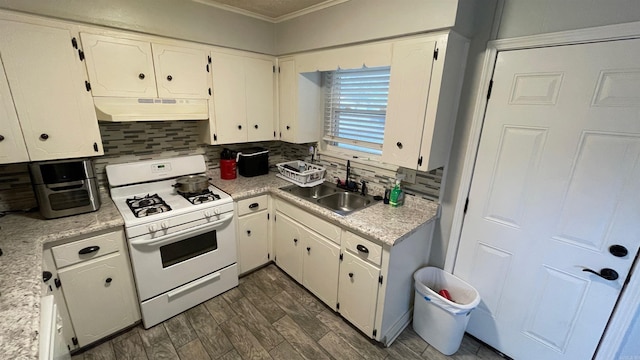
{"x": 268, "y": 316}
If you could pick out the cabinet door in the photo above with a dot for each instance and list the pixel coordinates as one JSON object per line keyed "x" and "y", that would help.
{"x": 119, "y": 67}
{"x": 100, "y": 297}
{"x": 321, "y": 263}
{"x": 358, "y": 292}
{"x": 253, "y": 241}
{"x": 181, "y": 72}
{"x": 47, "y": 82}
{"x": 229, "y": 98}
{"x": 287, "y": 99}
{"x": 259, "y": 99}
{"x": 409, "y": 83}
{"x": 288, "y": 246}
{"x": 12, "y": 147}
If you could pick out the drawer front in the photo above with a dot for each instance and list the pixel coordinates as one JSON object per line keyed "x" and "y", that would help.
{"x": 252, "y": 205}
{"x": 322, "y": 227}
{"x": 362, "y": 247}
{"x": 87, "y": 249}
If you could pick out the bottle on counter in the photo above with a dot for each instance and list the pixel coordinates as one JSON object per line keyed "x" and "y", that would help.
{"x": 397, "y": 196}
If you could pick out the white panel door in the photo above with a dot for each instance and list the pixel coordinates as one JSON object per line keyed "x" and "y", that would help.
{"x": 229, "y": 98}
{"x": 12, "y": 147}
{"x": 357, "y": 292}
{"x": 409, "y": 83}
{"x": 253, "y": 241}
{"x": 259, "y": 79}
{"x": 47, "y": 81}
{"x": 119, "y": 67}
{"x": 181, "y": 72}
{"x": 555, "y": 188}
{"x": 288, "y": 246}
{"x": 288, "y": 96}
{"x": 320, "y": 267}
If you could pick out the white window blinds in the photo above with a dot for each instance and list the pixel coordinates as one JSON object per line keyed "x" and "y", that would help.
{"x": 355, "y": 108}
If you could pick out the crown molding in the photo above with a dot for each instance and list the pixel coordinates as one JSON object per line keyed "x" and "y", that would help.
{"x": 310, "y": 9}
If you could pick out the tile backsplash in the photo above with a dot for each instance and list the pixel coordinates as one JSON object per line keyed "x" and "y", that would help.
{"x": 133, "y": 141}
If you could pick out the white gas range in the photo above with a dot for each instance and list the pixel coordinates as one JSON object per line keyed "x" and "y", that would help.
{"x": 182, "y": 246}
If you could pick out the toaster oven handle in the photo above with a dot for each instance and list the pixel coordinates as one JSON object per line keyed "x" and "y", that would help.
{"x": 182, "y": 233}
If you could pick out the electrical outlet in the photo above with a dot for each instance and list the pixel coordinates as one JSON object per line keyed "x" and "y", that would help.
{"x": 409, "y": 175}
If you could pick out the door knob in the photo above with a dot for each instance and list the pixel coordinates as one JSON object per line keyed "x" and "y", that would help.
{"x": 606, "y": 273}
{"x": 618, "y": 250}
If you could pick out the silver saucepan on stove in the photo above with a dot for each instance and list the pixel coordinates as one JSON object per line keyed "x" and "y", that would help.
{"x": 192, "y": 184}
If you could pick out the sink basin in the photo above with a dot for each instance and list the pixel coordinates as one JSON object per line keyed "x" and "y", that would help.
{"x": 331, "y": 197}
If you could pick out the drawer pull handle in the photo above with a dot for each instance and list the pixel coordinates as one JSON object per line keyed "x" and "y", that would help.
{"x": 88, "y": 250}
{"x": 362, "y": 248}
{"x": 109, "y": 280}
{"x": 254, "y": 205}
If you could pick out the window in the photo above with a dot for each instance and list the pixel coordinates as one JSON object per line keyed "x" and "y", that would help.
{"x": 355, "y": 108}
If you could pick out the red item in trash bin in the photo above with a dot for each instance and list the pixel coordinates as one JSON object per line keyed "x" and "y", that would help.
{"x": 227, "y": 169}
{"x": 445, "y": 294}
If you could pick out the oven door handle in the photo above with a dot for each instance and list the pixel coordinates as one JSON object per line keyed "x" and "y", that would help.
{"x": 193, "y": 284}
{"x": 182, "y": 234}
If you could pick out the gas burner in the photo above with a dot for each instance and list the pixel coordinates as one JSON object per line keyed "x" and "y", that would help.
{"x": 147, "y": 205}
{"x": 200, "y": 197}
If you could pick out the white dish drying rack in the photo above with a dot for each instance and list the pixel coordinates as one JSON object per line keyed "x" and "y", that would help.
{"x": 301, "y": 173}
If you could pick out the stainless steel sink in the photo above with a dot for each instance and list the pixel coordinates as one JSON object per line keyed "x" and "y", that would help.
{"x": 333, "y": 198}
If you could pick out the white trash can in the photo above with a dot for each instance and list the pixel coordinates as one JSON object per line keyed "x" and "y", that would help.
{"x": 438, "y": 321}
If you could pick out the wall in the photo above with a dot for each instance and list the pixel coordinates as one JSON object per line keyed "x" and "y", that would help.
{"x": 181, "y": 19}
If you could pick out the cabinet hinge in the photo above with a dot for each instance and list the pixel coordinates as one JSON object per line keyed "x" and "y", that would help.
{"x": 275, "y": 217}
{"x": 81, "y": 55}
{"x": 87, "y": 85}
{"x": 69, "y": 347}
{"x": 268, "y": 256}
{"x": 95, "y": 147}
{"x": 274, "y": 68}
{"x": 215, "y": 137}
{"x": 375, "y": 332}
{"x": 57, "y": 282}
{"x": 278, "y": 69}
{"x": 341, "y": 256}
{"x": 209, "y": 59}
{"x": 268, "y": 216}
{"x": 420, "y": 161}
{"x": 74, "y": 340}
{"x": 337, "y": 306}
{"x": 490, "y": 88}
{"x": 466, "y": 206}
{"x": 275, "y": 258}
{"x": 435, "y": 54}
{"x": 280, "y": 134}
{"x": 208, "y": 68}
{"x": 209, "y": 91}
{"x": 274, "y": 134}
{"x": 380, "y": 279}
{"x": 74, "y": 43}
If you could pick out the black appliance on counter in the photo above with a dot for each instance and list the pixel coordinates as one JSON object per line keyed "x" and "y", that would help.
{"x": 253, "y": 161}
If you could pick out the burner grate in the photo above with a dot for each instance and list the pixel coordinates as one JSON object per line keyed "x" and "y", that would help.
{"x": 147, "y": 205}
{"x": 200, "y": 197}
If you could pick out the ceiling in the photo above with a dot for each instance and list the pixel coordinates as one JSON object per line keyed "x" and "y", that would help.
{"x": 272, "y": 10}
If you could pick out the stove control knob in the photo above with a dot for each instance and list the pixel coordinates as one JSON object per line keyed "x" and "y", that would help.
{"x": 153, "y": 228}
{"x": 207, "y": 213}
{"x": 164, "y": 225}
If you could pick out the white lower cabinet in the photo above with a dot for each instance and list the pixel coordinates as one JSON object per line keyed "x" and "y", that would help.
{"x": 358, "y": 292}
{"x": 288, "y": 246}
{"x": 253, "y": 233}
{"x": 98, "y": 286}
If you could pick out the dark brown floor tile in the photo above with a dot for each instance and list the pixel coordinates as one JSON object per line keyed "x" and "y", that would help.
{"x": 193, "y": 350}
{"x": 243, "y": 340}
{"x": 232, "y": 295}
{"x": 267, "y": 284}
{"x": 180, "y": 330}
{"x": 157, "y": 344}
{"x": 412, "y": 340}
{"x": 130, "y": 348}
{"x": 306, "y": 320}
{"x": 338, "y": 347}
{"x": 398, "y": 351}
{"x": 285, "y": 351}
{"x": 219, "y": 309}
{"x": 267, "y": 307}
{"x": 299, "y": 340}
{"x": 259, "y": 326}
{"x": 304, "y": 297}
{"x": 353, "y": 337}
{"x": 212, "y": 337}
{"x": 231, "y": 355}
{"x": 103, "y": 351}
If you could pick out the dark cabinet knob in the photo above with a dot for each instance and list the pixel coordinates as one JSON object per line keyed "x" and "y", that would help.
{"x": 362, "y": 249}
{"x": 44, "y": 136}
{"x": 295, "y": 241}
{"x": 618, "y": 250}
{"x": 169, "y": 77}
{"x": 46, "y": 276}
{"x": 288, "y": 127}
{"x": 255, "y": 126}
{"x": 606, "y": 273}
{"x": 308, "y": 248}
{"x": 249, "y": 232}
{"x": 141, "y": 76}
{"x": 399, "y": 145}
{"x": 109, "y": 280}
{"x": 351, "y": 275}
{"x": 239, "y": 127}
{"x": 1, "y": 137}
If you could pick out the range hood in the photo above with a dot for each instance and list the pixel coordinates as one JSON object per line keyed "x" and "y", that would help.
{"x": 150, "y": 109}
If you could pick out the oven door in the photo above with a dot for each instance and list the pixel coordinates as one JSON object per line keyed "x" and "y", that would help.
{"x": 166, "y": 262}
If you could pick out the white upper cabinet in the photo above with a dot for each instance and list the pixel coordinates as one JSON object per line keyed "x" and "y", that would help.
{"x": 47, "y": 82}
{"x": 12, "y": 146}
{"x": 136, "y": 68}
{"x": 243, "y": 97}
{"x": 424, "y": 89}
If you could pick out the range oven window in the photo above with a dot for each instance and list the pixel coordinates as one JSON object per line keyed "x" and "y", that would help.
{"x": 180, "y": 251}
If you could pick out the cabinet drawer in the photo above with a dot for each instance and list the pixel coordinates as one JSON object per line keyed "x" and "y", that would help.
{"x": 91, "y": 248}
{"x": 362, "y": 247}
{"x": 322, "y": 227}
{"x": 252, "y": 205}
